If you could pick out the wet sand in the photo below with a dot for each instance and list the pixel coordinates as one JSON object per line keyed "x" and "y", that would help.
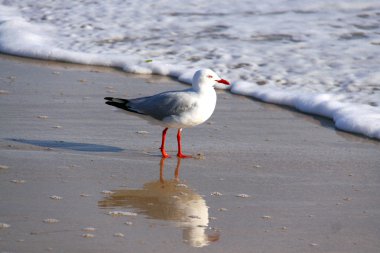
{"x": 79, "y": 176}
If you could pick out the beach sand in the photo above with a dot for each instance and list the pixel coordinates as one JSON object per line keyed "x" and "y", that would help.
{"x": 77, "y": 175}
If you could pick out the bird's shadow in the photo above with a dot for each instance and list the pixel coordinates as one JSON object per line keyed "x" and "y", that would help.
{"x": 76, "y": 146}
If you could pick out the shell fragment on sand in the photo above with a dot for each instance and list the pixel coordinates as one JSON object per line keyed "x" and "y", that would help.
{"x": 55, "y": 197}
{"x": 243, "y": 195}
{"x": 50, "y": 220}
{"x": 121, "y": 213}
{"x": 18, "y": 181}
{"x": 4, "y": 225}
{"x": 89, "y": 229}
{"x": 88, "y": 235}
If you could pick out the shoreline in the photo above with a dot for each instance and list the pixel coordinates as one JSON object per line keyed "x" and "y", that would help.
{"x": 270, "y": 179}
{"x": 325, "y": 121}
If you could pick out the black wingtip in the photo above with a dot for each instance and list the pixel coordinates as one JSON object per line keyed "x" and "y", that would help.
{"x": 117, "y": 102}
{"x": 120, "y": 103}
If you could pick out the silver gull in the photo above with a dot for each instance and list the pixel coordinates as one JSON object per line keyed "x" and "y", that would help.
{"x": 176, "y": 109}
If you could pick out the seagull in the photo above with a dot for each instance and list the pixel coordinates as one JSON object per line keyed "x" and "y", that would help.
{"x": 176, "y": 109}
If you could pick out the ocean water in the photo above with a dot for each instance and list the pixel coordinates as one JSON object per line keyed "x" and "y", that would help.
{"x": 321, "y": 57}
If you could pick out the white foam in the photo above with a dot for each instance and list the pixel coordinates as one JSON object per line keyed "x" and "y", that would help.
{"x": 22, "y": 38}
{"x": 351, "y": 117}
{"x": 319, "y": 57}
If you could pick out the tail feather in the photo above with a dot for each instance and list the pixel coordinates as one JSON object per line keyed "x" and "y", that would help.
{"x": 120, "y": 103}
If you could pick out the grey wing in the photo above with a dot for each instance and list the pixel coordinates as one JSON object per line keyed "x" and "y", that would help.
{"x": 163, "y": 105}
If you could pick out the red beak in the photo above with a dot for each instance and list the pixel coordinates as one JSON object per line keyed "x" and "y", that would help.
{"x": 223, "y": 81}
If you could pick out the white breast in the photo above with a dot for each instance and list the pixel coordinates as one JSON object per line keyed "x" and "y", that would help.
{"x": 205, "y": 104}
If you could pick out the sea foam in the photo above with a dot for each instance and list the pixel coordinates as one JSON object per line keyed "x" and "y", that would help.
{"x": 351, "y": 117}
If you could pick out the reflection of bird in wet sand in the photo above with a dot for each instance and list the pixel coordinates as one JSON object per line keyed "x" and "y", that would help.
{"x": 168, "y": 200}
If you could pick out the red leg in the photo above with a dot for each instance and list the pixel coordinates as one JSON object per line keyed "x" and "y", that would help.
{"x": 163, "y": 151}
{"x": 180, "y": 154}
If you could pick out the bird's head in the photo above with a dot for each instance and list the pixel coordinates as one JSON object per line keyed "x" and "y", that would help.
{"x": 207, "y": 78}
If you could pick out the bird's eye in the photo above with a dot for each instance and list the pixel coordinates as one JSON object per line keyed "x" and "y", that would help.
{"x": 209, "y": 76}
